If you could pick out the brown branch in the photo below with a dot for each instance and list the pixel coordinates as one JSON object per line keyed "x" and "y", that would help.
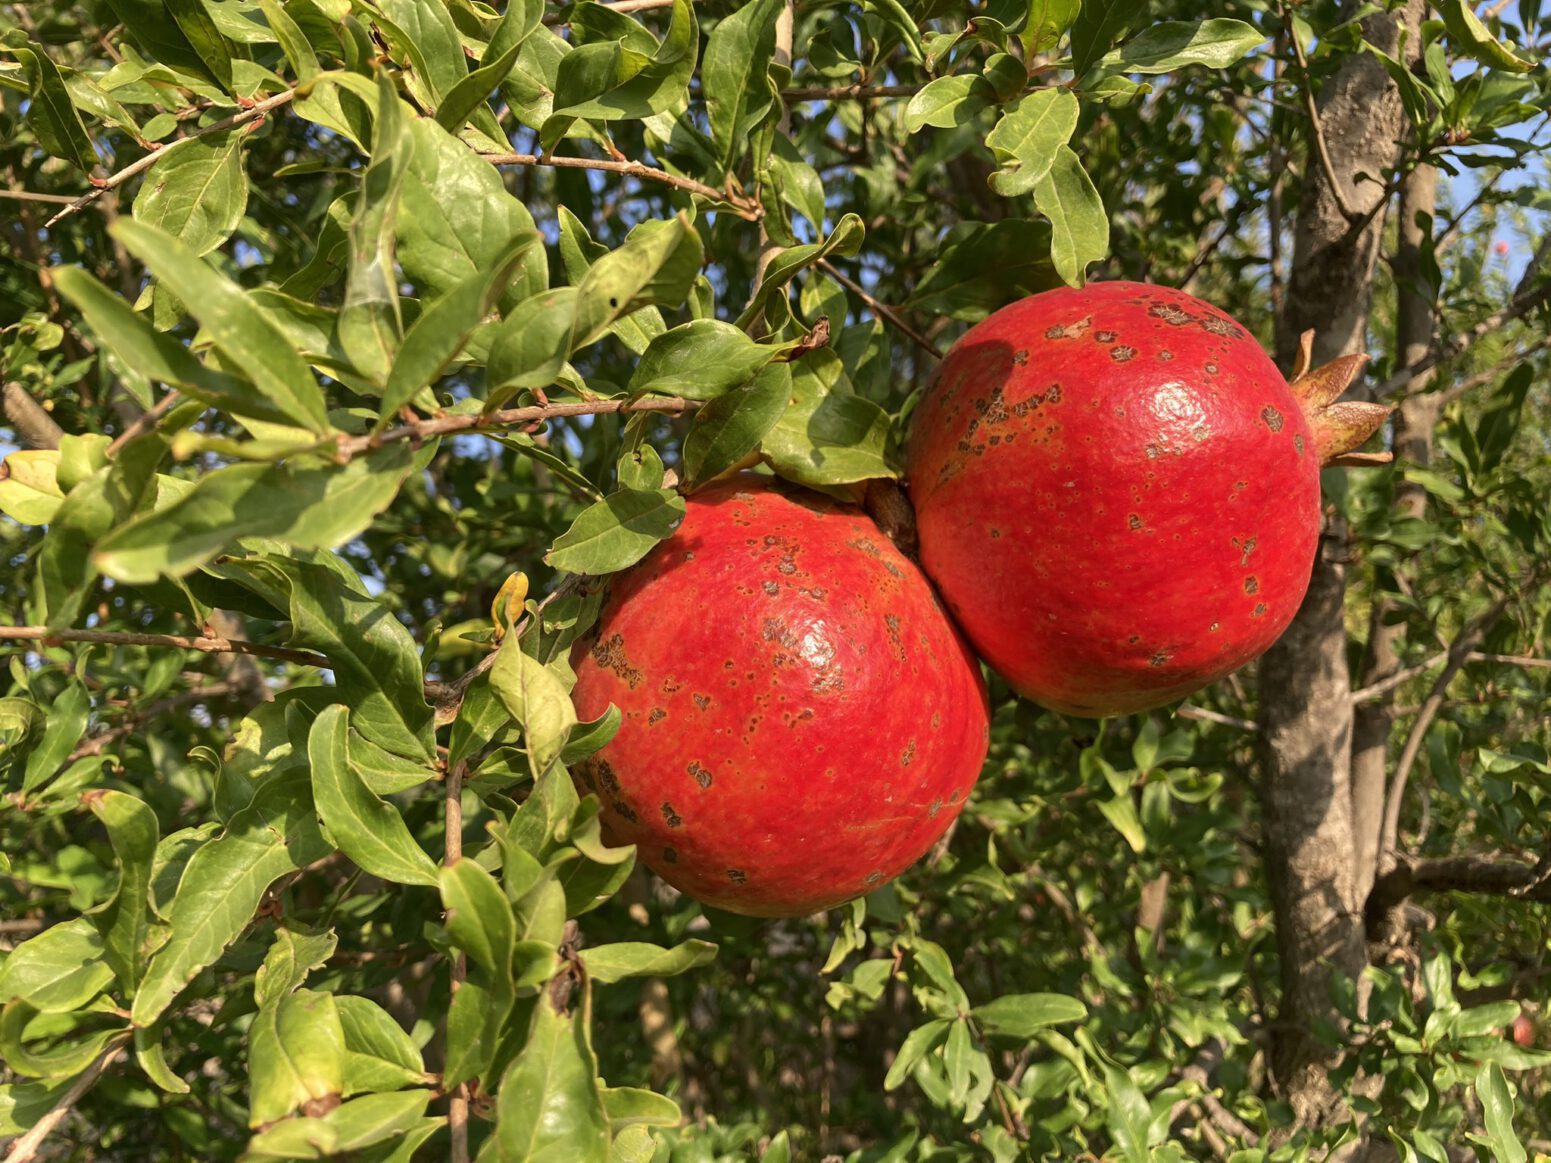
{"x": 1316, "y": 125}
{"x": 1189, "y": 712}
{"x": 146, "y": 420}
{"x": 881, "y": 310}
{"x": 30, "y": 196}
{"x": 32, "y": 423}
{"x": 458, "y": 1100}
{"x": 418, "y": 430}
{"x": 209, "y": 645}
{"x": 100, "y": 742}
{"x": 848, "y": 92}
{"x": 1520, "y": 304}
{"x": 1458, "y": 654}
{"x": 741, "y": 206}
{"x": 1491, "y": 374}
{"x": 1384, "y": 686}
{"x": 1472, "y": 874}
{"x": 25, "y": 1148}
{"x": 254, "y": 112}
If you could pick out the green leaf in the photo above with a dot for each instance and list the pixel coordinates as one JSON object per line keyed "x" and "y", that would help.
{"x": 456, "y": 219}
{"x": 22, "y": 1104}
{"x": 1497, "y": 1111}
{"x": 617, "y": 532}
{"x": 536, "y": 699}
{"x": 370, "y": 326}
{"x": 438, "y": 335}
{"x": 946, "y": 103}
{"x": 293, "y": 41}
{"x": 1175, "y": 44}
{"x": 58, "y": 971}
{"x": 1028, "y": 139}
{"x": 66, "y": 725}
{"x": 610, "y": 963}
{"x": 197, "y": 191}
{"x": 296, "y": 1054}
{"x": 1130, "y": 1118}
{"x": 983, "y": 267}
{"x": 656, "y": 265}
{"x": 1499, "y": 423}
{"x": 1079, "y": 225}
{"x": 291, "y": 958}
{"x": 156, "y": 355}
{"x": 368, "y": 830}
{"x": 920, "y": 1042}
{"x": 730, "y": 427}
{"x": 1099, "y": 24}
{"x": 518, "y": 22}
{"x": 240, "y": 330}
{"x": 350, "y": 1130}
{"x": 316, "y": 507}
{"x": 735, "y": 75}
{"x": 124, "y": 919}
{"x": 379, "y": 1055}
{"x": 194, "y": 21}
{"x": 223, "y": 883}
{"x": 67, "y": 1055}
{"x": 479, "y": 917}
{"x": 629, "y": 1106}
{"x": 530, "y": 346}
{"x": 1021, "y": 1015}
{"x": 550, "y": 1107}
{"x": 50, "y": 113}
{"x": 1121, "y": 813}
{"x": 828, "y": 438}
{"x": 29, "y": 487}
{"x": 607, "y": 81}
{"x": 699, "y": 361}
{"x": 845, "y": 240}
{"x": 1473, "y": 38}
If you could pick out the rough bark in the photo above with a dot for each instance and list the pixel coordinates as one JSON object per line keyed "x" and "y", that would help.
{"x": 1414, "y": 424}
{"x": 1305, "y": 708}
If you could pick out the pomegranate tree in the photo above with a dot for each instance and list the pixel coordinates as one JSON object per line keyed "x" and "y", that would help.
{"x": 801, "y": 719}
{"x": 1117, "y": 492}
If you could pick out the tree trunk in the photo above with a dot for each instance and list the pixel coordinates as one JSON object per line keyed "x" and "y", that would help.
{"x": 1305, "y": 705}
{"x": 1414, "y": 423}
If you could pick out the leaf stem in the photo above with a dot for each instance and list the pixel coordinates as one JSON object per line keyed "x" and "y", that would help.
{"x": 740, "y": 205}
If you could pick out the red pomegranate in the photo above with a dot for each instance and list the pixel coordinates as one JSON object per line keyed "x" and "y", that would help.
{"x": 801, "y": 719}
{"x": 1117, "y": 492}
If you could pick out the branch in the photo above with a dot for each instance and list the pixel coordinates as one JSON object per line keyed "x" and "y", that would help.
{"x": 1491, "y": 374}
{"x": 25, "y": 1148}
{"x": 849, "y": 92}
{"x": 419, "y": 430}
{"x": 741, "y": 206}
{"x": 1189, "y": 712}
{"x": 882, "y": 310}
{"x": 146, "y": 420}
{"x": 1473, "y": 874}
{"x": 1317, "y": 126}
{"x": 30, "y": 196}
{"x": 1384, "y": 686}
{"x": 1458, "y": 654}
{"x": 31, "y": 422}
{"x": 254, "y": 112}
{"x": 1520, "y": 304}
{"x": 208, "y": 645}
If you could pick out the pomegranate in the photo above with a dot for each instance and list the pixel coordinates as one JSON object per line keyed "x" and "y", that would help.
{"x": 801, "y": 720}
{"x": 1117, "y": 492}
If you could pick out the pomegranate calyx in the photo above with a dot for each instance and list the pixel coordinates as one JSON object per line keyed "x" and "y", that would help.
{"x": 1339, "y": 428}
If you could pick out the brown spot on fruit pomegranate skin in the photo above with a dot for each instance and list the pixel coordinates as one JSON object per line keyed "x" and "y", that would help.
{"x": 1173, "y": 435}
{"x": 1251, "y": 584}
{"x": 1122, "y": 353}
{"x": 787, "y": 769}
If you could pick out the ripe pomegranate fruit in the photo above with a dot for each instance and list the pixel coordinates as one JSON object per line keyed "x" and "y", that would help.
{"x": 801, "y": 719}
{"x": 1522, "y": 1031}
{"x": 1117, "y": 492}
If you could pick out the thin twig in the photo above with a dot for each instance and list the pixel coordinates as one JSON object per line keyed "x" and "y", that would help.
{"x": 253, "y": 113}
{"x": 1491, "y": 374}
{"x": 1316, "y": 125}
{"x": 146, "y": 420}
{"x": 97, "y": 744}
{"x": 1458, "y": 654}
{"x": 848, "y": 92}
{"x": 417, "y": 430}
{"x": 209, "y": 645}
{"x": 740, "y": 206}
{"x": 1189, "y": 712}
{"x": 1519, "y": 305}
{"x": 458, "y": 1100}
{"x": 882, "y": 310}
{"x": 30, "y": 196}
{"x": 25, "y": 1148}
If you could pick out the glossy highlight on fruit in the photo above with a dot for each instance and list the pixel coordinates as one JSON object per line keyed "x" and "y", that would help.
{"x": 801, "y": 719}
{"x": 1117, "y": 492}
